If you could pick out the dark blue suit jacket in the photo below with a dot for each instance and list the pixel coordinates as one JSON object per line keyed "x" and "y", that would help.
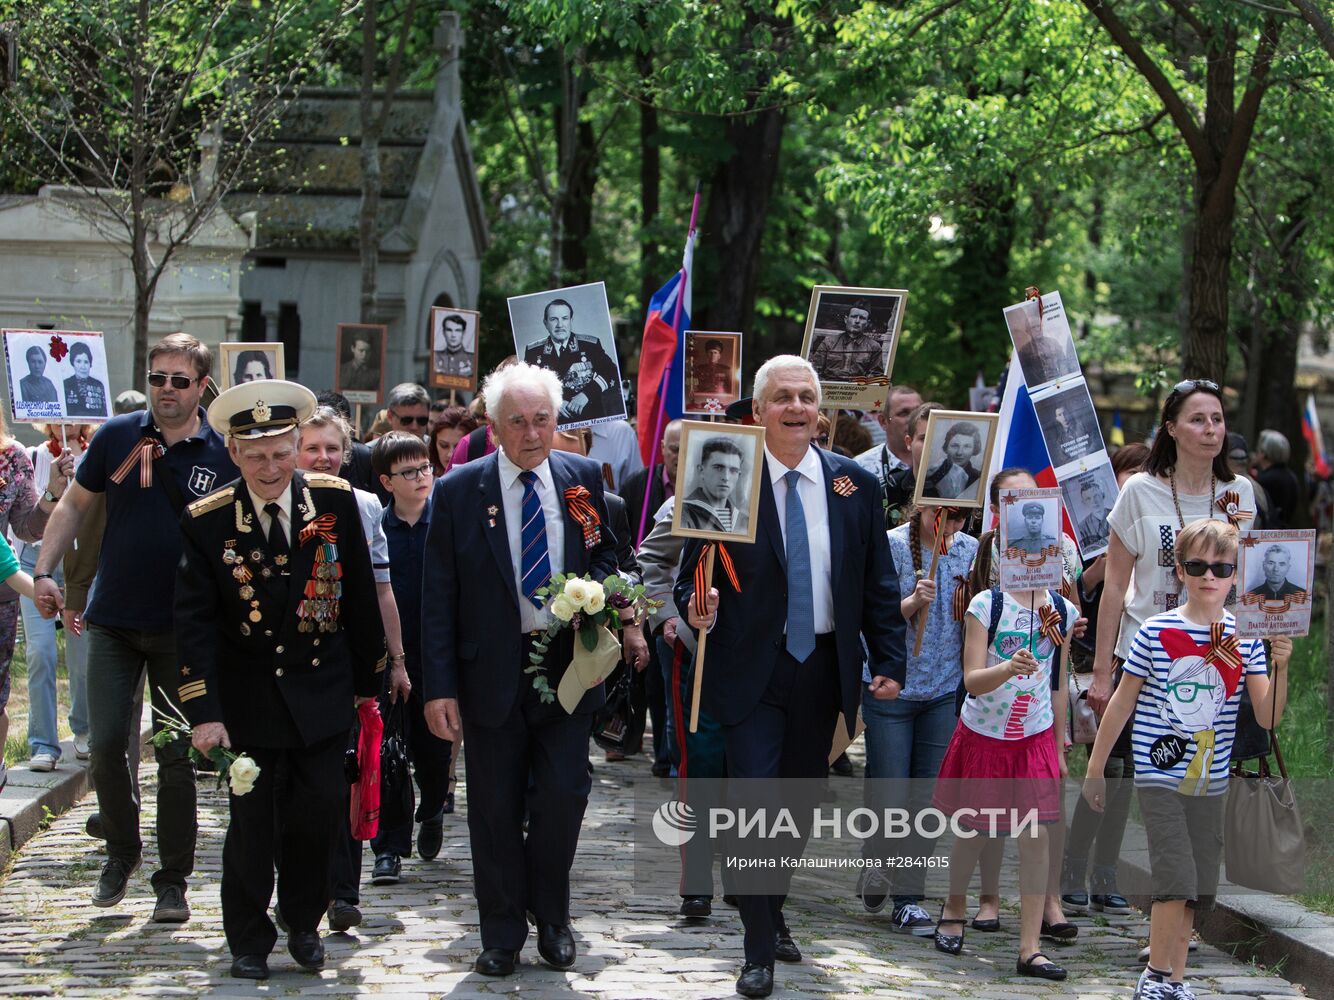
{"x": 748, "y": 636}
{"x": 471, "y": 644}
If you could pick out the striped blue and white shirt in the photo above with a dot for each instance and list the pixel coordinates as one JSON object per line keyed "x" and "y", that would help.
{"x": 1186, "y": 714}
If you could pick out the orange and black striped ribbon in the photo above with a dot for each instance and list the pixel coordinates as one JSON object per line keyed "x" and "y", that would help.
{"x": 1223, "y": 648}
{"x": 577, "y": 501}
{"x": 322, "y": 527}
{"x": 701, "y": 578}
{"x": 1230, "y": 504}
{"x": 142, "y": 454}
{"x": 959, "y": 605}
{"x": 1050, "y": 628}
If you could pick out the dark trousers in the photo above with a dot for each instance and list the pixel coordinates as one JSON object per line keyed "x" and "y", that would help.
{"x": 700, "y": 777}
{"x": 788, "y": 735}
{"x": 430, "y": 763}
{"x": 513, "y": 874}
{"x": 289, "y": 819}
{"x": 117, "y": 660}
{"x": 654, "y": 678}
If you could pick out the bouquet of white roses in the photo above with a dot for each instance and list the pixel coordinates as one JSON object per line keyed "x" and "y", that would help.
{"x": 594, "y": 611}
{"x": 236, "y": 769}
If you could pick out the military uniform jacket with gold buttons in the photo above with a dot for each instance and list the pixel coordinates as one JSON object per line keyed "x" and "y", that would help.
{"x": 276, "y": 648}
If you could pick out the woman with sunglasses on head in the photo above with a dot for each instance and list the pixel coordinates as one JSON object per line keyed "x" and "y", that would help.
{"x": 1186, "y": 477}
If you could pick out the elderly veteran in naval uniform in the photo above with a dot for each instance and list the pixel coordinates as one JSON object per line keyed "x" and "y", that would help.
{"x": 278, "y": 638}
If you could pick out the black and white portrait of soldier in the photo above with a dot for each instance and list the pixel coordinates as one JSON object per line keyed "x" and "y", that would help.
{"x": 1275, "y": 579}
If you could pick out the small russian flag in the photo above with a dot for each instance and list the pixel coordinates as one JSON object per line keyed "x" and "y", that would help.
{"x": 1315, "y": 440}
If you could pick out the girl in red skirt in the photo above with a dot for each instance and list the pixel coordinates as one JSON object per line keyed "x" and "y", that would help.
{"x": 1001, "y": 774}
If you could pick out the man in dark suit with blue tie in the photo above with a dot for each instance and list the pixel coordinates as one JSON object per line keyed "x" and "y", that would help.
{"x": 509, "y": 525}
{"x": 779, "y": 684}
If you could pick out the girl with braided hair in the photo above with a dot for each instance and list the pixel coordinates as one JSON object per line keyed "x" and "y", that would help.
{"x": 906, "y": 737}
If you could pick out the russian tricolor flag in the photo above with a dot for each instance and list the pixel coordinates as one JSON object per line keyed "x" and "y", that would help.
{"x": 663, "y": 353}
{"x": 1315, "y": 440}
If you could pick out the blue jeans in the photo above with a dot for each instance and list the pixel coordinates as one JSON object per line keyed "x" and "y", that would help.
{"x": 39, "y": 648}
{"x": 905, "y": 743}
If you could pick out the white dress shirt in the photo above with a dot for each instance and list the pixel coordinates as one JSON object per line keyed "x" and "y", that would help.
{"x": 284, "y": 503}
{"x": 511, "y": 491}
{"x": 815, "y": 503}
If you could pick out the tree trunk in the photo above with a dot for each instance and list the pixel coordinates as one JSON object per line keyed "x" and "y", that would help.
{"x": 1204, "y": 352}
{"x": 739, "y": 196}
{"x": 578, "y": 226}
{"x": 367, "y": 237}
{"x": 981, "y": 279}
{"x": 650, "y": 181}
{"x": 144, "y": 286}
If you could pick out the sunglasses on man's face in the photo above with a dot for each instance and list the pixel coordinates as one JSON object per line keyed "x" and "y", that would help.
{"x": 1197, "y": 567}
{"x": 158, "y": 379}
{"x": 419, "y": 421}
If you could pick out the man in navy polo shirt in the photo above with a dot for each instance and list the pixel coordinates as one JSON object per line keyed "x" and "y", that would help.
{"x": 149, "y": 465}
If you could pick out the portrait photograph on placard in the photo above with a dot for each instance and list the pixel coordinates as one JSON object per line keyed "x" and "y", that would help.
{"x": 1042, "y": 340}
{"x": 1030, "y": 539}
{"x": 718, "y": 481}
{"x": 241, "y": 362}
{"x": 1069, "y": 424}
{"x": 57, "y": 376}
{"x": 851, "y": 337}
{"x": 955, "y": 457}
{"x": 569, "y": 332}
{"x": 360, "y": 349}
{"x": 1275, "y": 583}
{"x": 453, "y": 343}
{"x": 713, "y": 372}
{"x": 1089, "y": 496}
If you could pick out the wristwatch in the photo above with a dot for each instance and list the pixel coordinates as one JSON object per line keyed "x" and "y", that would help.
{"x": 50, "y": 497}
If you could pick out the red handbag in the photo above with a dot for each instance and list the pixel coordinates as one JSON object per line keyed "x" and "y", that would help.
{"x": 365, "y": 798}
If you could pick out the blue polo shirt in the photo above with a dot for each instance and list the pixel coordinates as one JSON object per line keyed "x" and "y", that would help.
{"x": 136, "y": 569}
{"x": 407, "y": 548}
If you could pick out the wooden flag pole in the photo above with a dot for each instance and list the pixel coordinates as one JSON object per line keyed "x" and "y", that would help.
{"x": 356, "y": 416}
{"x": 453, "y": 397}
{"x": 699, "y": 650}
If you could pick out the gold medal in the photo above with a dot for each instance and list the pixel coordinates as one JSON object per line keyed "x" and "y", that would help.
{"x": 280, "y": 560}
{"x": 256, "y": 555}
{"x": 247, "y": 592}
{"x": 245, "y": 629}
{"x": 255, "y": 616}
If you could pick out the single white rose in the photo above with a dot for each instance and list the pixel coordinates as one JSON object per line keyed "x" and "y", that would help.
{"x": 577, "y": 591}
{"x": 563, "y": 608}
{"x": 597, "y": 599}
{"x": 242, "y": 775}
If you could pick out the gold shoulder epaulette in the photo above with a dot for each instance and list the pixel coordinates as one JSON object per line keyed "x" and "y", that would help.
{"x": 323, "y": 479}
{"x": 216, "y": 499}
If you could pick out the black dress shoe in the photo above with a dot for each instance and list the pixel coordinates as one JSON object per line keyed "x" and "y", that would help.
{"x": 387, "y": 869}
{"x": 431, "y": 836}
{"x": 307, "y": 949}
{"x": 1047, "y": 969}
{"x": 785, "y": 949}
{"x": 755, "y": 980}
{"x": 250, "y": 967}
{"x": 496, "y": 962}
{"x": 842, "y": 766}
{"x": 93, "y": 827}
{"x": 1062, "y": 933}
{"x": 343, "y": 915}
{"x": 696, "y": 907}
{"x": 730, "y": 899}
{"x": 555, "y": 943}
{"x": 449, "y": 802}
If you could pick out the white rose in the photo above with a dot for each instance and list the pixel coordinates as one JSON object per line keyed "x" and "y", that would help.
{"x": 577, "y": 591}
{"x": 242, "y": 775}
{"x": 597, "y": 599}
{"x": 563, "y": 608}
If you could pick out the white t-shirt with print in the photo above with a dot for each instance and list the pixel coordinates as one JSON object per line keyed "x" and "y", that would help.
{"x": 1020, "y": 707}
{"x": 1146, "y": 521}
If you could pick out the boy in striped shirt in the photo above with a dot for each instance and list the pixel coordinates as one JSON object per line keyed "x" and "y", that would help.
{"x": 1183, "y": 681}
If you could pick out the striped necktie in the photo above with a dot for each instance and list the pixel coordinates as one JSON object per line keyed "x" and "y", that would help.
{"x": 534, "y": 563}
{"x": 800, "y": 594}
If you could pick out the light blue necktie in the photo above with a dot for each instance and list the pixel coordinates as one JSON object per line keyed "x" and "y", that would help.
{"x": 534, "y": 562}
{"x": 800, "y": 597}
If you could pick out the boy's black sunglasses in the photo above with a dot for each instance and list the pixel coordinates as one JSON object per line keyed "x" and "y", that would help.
{"x": 1196, "y": 567}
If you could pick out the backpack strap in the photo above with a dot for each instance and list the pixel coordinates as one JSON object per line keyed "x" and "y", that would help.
{"x": 1059, "y": 605}
{"x": 997, "y": 605}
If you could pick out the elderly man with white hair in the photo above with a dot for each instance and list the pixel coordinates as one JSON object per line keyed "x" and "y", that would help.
{"x": 278, "y": 637}
{"x": 781, "y": 683}
{"x": 513, "y": 520}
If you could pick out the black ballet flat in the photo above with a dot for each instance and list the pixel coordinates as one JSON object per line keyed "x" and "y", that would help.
{"x": 1062, "y": 933}
{"x": 988, "y": 926}
{"x": 1047, "y": 970}
{"x": 950, "y": 944}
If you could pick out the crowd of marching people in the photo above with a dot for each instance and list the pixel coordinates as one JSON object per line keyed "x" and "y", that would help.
{"x": 278, "y": 580}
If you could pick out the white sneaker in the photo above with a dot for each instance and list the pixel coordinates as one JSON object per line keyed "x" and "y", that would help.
{"x": 1182, "y": 991}
{"x": 81, "y": 751}
{"x": 43, "y": 761}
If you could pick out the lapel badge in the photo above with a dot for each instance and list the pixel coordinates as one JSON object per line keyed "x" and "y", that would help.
{"x": 280, "y": 560}
{"x": 491, "y": 513}
{"x": 256, "y": 555}
{"x": 844, "y": 486}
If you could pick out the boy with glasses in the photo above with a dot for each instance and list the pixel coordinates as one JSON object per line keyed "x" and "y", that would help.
{"x": 403, "y": 465}
{"x": 1182, "y": 681}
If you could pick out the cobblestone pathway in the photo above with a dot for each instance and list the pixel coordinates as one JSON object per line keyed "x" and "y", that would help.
{"x": 420, "y": 937}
